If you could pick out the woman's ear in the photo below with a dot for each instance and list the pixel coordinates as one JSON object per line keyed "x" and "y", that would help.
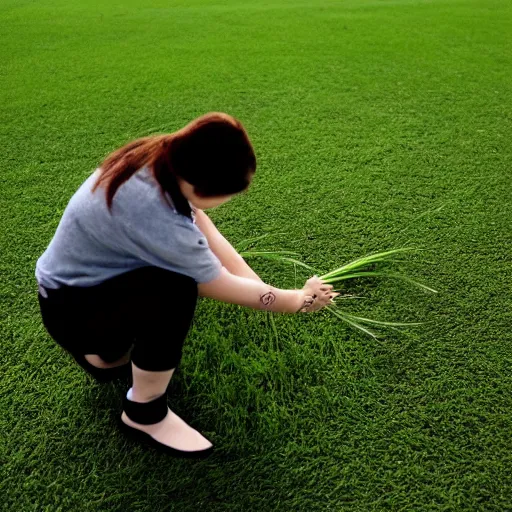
{"x": 186, "y": 188}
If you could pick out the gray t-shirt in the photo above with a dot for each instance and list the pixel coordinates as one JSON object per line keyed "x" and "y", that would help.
{"x": 93, "y": 244}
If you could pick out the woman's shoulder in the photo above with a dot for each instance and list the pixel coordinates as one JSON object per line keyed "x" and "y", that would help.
{"x": 139, "y": 191}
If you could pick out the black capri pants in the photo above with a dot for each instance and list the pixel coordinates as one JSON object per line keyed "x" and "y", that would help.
{"x": 149, "y": 309}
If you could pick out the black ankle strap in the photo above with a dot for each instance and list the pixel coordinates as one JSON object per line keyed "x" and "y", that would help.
{"x": 146, "y": 413}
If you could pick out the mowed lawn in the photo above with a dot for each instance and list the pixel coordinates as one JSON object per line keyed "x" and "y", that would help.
{"x": 377, "y": 124}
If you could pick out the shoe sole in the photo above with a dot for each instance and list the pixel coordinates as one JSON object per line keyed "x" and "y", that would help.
{"x": 143, "y": 437}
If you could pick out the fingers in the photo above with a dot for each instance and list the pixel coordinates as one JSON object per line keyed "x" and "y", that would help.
{"x": 321, "y": 293}
{"x": 318, "y": 284}
{"x": 319, "y": 301}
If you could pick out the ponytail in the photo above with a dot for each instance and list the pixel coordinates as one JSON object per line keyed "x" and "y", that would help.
{"x": 153, "y": 152}
{"x": 213, "y": 153}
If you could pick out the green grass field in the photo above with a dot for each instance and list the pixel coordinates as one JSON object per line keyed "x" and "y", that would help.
{"x": 377, "y": 124}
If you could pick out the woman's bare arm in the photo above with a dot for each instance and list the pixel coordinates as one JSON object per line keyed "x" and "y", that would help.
{"x": 239, "y": 284}
{"x": 258, "y": 295}
{"x": 251, "y": 293}
{"x": 226, "y": 253}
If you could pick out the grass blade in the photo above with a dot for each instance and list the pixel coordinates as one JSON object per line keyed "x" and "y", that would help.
{"x": 379, "y": 322}
{"x": 366, "y": 260}
{"x": 343, "y": 317}
{"x": 347, "y": 297}
{"x": 248, "y": 242}
{"x": 245, "y": 244}
{"x": 277, "y": 256}
{"x": 369, "y": 273}
{"x": 272, "y": 322}
{"x": 420, "y": 216}
{"x": 264, "y": 253}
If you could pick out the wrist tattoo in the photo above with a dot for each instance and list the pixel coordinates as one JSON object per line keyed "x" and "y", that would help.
{"x": 268, "y": 299}
{"x": 308, "y": 302}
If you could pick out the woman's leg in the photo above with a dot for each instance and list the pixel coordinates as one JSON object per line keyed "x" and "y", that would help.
{"x": 149, "y": 308}
{"x": 161, "y": 318}
{"x": 171, "y": 431}
{"x": 88, "y": 325}
{"x": 100, "y": 363}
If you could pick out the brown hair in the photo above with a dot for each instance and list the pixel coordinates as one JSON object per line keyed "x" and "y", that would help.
{"x": 213, "y": 153}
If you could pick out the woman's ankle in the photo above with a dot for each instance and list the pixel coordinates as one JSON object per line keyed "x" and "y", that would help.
{"x": 141, "y": 398}
{"x": 148, "y": 385}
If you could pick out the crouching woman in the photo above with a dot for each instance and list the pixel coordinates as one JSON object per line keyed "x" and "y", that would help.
{"x": 119, "y": 282}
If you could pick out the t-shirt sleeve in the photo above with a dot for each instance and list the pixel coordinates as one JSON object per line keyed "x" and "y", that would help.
{"x": 170, "y": 240}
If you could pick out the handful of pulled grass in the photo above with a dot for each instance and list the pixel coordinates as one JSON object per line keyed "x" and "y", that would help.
{"x": 359, "y": 268}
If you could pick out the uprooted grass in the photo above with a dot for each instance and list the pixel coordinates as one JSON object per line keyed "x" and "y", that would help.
{"x": 363, "y": 267}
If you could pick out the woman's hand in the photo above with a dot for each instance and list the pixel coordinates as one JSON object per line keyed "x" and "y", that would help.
{"x": 317, "y": 295}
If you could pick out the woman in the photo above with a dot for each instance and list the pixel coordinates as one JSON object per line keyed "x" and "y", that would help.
{"x": 119, "y": 281}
